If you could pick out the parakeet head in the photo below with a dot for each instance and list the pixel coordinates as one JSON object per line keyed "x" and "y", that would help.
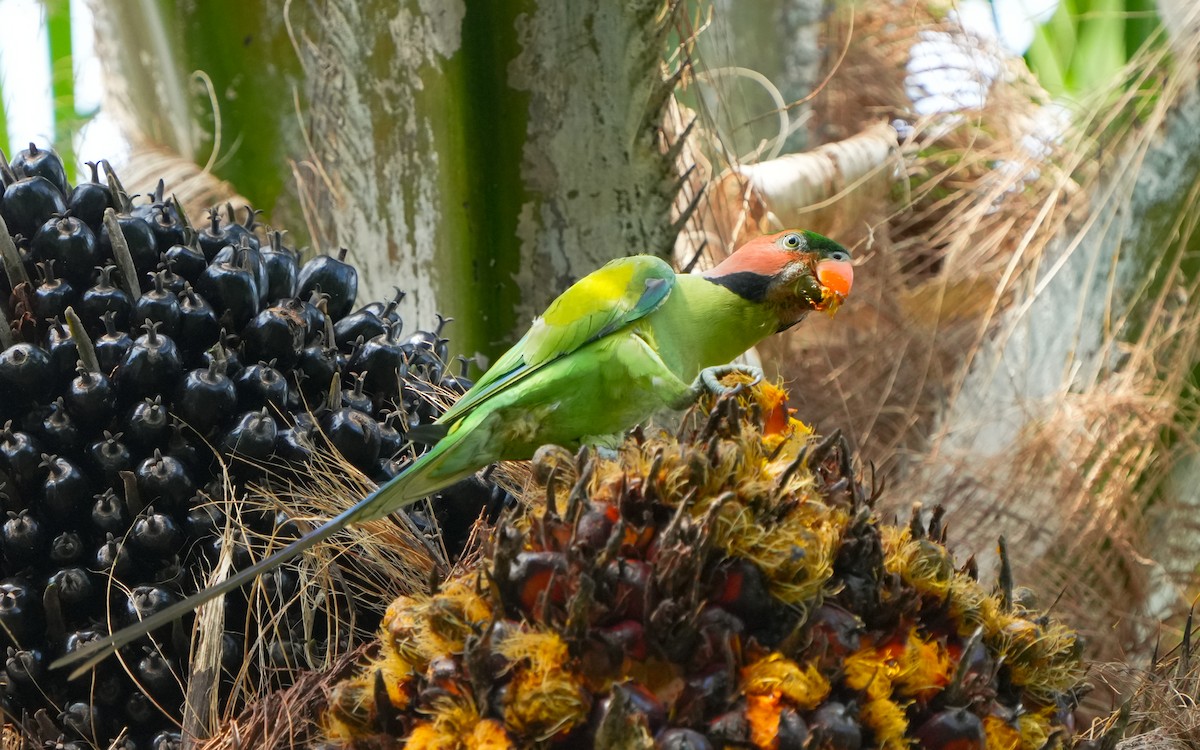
{"x": 794, "y": 271}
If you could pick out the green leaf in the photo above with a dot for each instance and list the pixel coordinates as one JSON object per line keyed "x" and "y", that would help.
{"x": 4, "y": 145}
{"x": 62, "y": 81}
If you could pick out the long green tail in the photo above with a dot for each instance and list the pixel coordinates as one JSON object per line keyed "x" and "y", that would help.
{"x": 427, "y": 475}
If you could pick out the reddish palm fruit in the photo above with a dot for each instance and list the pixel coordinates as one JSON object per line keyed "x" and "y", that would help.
{"x": 952, "y": 729}
{"x": 538, "y": 578}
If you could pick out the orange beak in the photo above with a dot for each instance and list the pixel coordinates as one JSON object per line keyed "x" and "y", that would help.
{"x": 836, "y": 277}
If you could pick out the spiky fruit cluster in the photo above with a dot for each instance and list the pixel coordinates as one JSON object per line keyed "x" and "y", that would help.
{"x": 145, "y": 368}
{"x": 726, "y": 587}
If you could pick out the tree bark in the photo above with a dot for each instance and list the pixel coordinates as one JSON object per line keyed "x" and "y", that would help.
{"x": 480, "y": 155}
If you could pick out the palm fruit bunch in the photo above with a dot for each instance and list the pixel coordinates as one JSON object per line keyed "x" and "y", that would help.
{"x": 724, "y": 585}
{"x": 148, "y": 367}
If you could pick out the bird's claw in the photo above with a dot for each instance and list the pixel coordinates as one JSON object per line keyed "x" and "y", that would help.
{"x": 710, "y": 378}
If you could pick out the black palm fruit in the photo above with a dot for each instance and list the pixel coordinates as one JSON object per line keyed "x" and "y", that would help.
{"x": 198, "y": 325}
{"x": 66, "y": 549}
{"x": 458, "y": 384}
{"x": 36, "y": 162}
{"x": 182, "y": 444}
{"x": 155, "y": 535}
{"x": 88, "y": 200}
{"x": 112, "y": 556}
{"x": 109, "y": 513}
{"x": 25, "y": 667}
{"x": 282, "y": 269}
{"x": 164, "y": 481}
{"x": 53, "y": 427}
{"x": 112, "y": 346}
{"x": 71, "y": 244}
{"x": 333, "y": 277}
{"x": 204, "y": 518}
{"x": 384, "y": 363}
{"x": 277, "y": 333}
{"x": 206, "y": 398}
{"x": 391, "y": 438}
{"x": 66, "y": 491}
{"x": 428, "y": 352}
{"x": 167, "y": 740}
{"x": 186, "y": 258}
{"x": 164, "y": 223}
{"x": 52, "y": 296}
{"x": 89, "y": 399}
{"x": 246, "y": 255}
{"x": 356, "y": 398}
{"x": 158, "y": 305}
{"x": 315, "y": 309}
{"x": 103, "y": 298}
{"x": 252, "y": 436}
{"x": 25, "y": 372}
{"x": 83, "y": 720}
{"x": 145, "y": 601}
{"x": 354, "y": 434}
{"x": 389, "y": 311}
{"x": 143, "y": 246}
{"x": 76, "y": 591}
{"x": 294, "y": 445}
{"x": 20, "y": 456}
{"x": 232, "y": 288}
{"x": 172, "y": 282}
{"x": 61, "y": 353}
{"x": 148, "y": 424}
{"x": 261, "y": 385}
{"x": 109, "y": 457}
{"x": 29, "y": 203}
{"x": 155, "y": 673}
{"x": 23, "y": 538}
{"x": 242, "y": 231}
{"x": 20, "y": 614}
{"x": 834, "y": 725}
{"x": 315, "y": 369}
{"x": 225, "y": 351}
{"x": 213, "y": 236}
{"x": 10, "y": 494}
{"x": 363, "y": 323}
{"x": 153, "y": 365}
{"x": 143, "y": 462}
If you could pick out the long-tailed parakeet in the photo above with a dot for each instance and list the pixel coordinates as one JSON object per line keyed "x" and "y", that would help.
{"x": 628, "y": 340}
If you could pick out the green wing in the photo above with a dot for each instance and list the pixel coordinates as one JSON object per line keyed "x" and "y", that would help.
{"x": 604, "y": 301}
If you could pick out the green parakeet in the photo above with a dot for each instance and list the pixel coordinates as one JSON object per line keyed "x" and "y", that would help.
{"x": 628, "y": 340}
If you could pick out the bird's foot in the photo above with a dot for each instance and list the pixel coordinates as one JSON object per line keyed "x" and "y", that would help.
{"x": 710, "y": 378}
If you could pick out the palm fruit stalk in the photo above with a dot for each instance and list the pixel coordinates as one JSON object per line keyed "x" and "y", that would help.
{"x": 727, "y": 585}
{"x": 151, "y": 372}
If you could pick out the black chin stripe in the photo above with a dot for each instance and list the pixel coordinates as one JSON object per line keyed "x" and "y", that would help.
{"x": 745, "y": 284}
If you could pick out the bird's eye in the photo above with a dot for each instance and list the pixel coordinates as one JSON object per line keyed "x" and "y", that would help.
{"x": 792, "y": 241}
{"x": 839, "y": 255}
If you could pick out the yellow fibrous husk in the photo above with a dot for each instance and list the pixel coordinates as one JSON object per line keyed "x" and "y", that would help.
{"x": 1000, "y": 734}
{"x": 421, "y": 628}
{"x": 762, "y": 716}
{"x": 545, "y": 696}
{"x": 796, "y": 553}
{"x": 887, "y": 720}
{"x": 456, "y": 723}
{"x": 1035, "y": 728}
{"x": 926, "y": 667}
{"x": 352, "y": 703}
{"x": 1043, "y": 657}
{"x": 905, "y": 669}
{"x": 924, "y": 564}
{"x": 803, "y": 686}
